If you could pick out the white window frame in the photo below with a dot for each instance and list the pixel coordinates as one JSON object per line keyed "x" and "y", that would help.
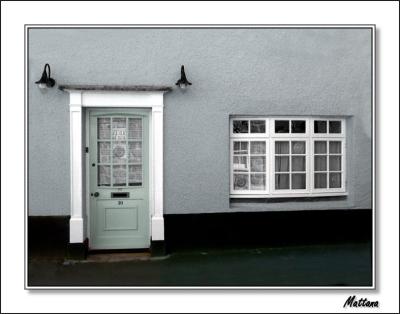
{"x": 271, "y": 137}
{"x": 307, "y": 167}
{"x": 249, "y": 135}
{"x": 267, "y": 161}
{"x": 327, "y": 134}
{"x": 342, "y": 189}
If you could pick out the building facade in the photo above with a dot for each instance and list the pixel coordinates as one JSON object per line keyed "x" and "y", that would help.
{"x": 276, "y": 119}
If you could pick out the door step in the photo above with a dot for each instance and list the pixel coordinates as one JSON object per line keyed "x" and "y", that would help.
{"x": 117, "y": 257}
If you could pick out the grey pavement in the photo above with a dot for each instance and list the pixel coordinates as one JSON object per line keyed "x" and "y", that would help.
{"x": 312, "y": 266}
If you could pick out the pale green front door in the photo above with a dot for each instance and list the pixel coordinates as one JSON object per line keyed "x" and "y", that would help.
{"x": 119, "y": 179}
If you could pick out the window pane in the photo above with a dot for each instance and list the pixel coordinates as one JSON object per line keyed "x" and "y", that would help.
{"x": 298, "y": 181}
{"x": 335, "y": 147}
{"x": 298, "y": 126}
{"x": 240, "y": 148}
{"x": 281, "y": 181}
{"x": 335, "y": 163}
{"x": 320, "y": 147}
{"x": 257, "y": 126}
{"x": 298, "y": 163}
{"x": 281, "y": 126}
{"x": 103, "y": 128}
{"x": 135, "y": 128}
{"x": 298, "y": 147}
{"x": 119, "y": 175}
{"x": 335, "y": 127}
{"x": 319, "y": 126}
{"x": 257, "y": 164}
{"x": 103, "y": 176}
{"x": 135, "y": 152}
{"x": 240, "y": 181}
{"x": 281, "y": 147}
{"x": 320, "y": 180}
{"x": 240, "y": 126}
{"x": 281, "y": 163}
{"x": 135, "y": 175}
{"x": 119, "y": 129}
{"x": 240, "y": 163}
{"x": 257, "y": 147}
{"x": 320, "y": 163}
{"x": 104, "y": 152}
{"x": 335, "y": 180}
{"x": 257, "y": 181}
{"x": 119, "y": 152}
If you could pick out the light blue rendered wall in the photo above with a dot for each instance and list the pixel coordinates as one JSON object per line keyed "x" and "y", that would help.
{"x": 234, "y": 71}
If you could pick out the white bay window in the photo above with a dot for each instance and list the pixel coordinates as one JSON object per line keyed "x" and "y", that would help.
{"x": 287, "y": 156}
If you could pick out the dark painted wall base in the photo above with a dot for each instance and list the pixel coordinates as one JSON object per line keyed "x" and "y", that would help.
{"x": 48, "y": 236}
{"x": 228, "y": 230}
{"x": 158, "y": 248}
{"x": 267, "y": 229}
{"x": 77, "y": 251}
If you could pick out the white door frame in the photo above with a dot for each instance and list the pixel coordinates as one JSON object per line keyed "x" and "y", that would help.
{"x": 83, "y": 98}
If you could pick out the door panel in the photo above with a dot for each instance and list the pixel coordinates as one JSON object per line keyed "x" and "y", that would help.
{"x": 119, "y": 180}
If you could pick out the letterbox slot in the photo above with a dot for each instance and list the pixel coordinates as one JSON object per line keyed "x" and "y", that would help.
{"x": 119, "y": 194}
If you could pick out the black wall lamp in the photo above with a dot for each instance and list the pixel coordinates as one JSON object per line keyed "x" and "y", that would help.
{"x": 183, "y": 82}
{"x": 46, "y": 80}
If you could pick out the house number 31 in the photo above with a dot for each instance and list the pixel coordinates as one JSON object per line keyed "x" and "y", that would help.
{"x": 120, "y": 202}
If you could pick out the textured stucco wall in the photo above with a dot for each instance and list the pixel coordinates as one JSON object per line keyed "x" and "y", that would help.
{"x": 234, "y": 71}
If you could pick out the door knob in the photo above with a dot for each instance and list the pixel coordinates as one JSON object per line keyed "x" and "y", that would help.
{"x": 96, "y": 194}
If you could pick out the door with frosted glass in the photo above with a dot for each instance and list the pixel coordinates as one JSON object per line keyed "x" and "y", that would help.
{"x": 119, "y": 180}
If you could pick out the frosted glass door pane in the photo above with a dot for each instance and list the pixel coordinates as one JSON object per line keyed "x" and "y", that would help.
{"x": 119, "y": 152}
{"x": 135, "y": 152}
{"x": 135, "y": 128}
{"x": 119, "y": 129}
{"x": 135, "y": 175}
{"x": 103, "y": 128}
{"x": 104, "y": 152}
{"x": 103, "y": 176}
{"x": 119, "y": 175}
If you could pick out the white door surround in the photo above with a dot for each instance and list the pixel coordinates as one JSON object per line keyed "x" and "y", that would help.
{"x": 91, "y": 96}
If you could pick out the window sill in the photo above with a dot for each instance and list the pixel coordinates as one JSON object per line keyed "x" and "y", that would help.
{"x": 291, "y": 195}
